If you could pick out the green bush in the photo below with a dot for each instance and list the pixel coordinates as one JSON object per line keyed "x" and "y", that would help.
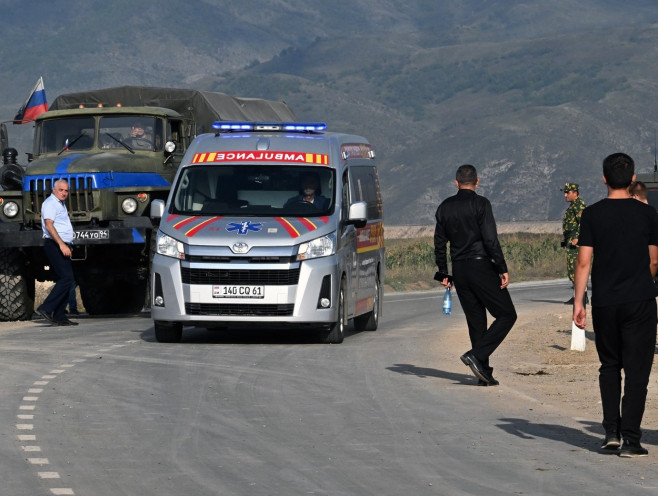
{"x": 529, "y": 257}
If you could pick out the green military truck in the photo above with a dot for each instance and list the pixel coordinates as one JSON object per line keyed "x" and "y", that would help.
{"x": 114, "y": 174}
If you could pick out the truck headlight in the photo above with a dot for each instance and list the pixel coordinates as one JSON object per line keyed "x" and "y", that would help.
{"x": 129, "y": 205}
{"x": 10, "y": 209}
{"x": 169, "y": 247}
{"x": 319, "y": 247}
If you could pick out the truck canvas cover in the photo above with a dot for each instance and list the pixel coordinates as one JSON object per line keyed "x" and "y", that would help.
{"x": 208, "y": 106}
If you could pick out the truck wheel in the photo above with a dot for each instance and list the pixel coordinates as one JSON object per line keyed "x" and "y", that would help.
{"x": 336, "y": 333}
{"x": 112, "y": 299}
{"x": 168, "y": 332}
{"x": 16, "y": 287}
{"x": 369, "y": 321}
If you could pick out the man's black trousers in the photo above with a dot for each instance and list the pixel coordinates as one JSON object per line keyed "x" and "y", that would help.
{"x": 478, "y": 287}
{"x": 625, "y": 337}
{"x": 56, "y": 301}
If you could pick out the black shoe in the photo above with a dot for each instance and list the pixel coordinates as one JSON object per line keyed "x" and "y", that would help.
{"x": 72, "y": 312}
{"x": 475, "y": 365}
{"x": 569, "y": 301}
{"x": 492, "y": 382}
{"x": 632, "y": 450}
{"x": 65, "y": 322}
{"x": 611, "y": 442}
{"x": 46, "y": 315}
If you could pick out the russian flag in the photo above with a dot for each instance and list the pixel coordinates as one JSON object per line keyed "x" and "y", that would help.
{"x": 34, "y": 106}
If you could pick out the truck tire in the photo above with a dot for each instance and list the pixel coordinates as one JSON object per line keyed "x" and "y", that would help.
{"x": 168, "y": 332}
{"x": 369, "y": 321}
{"x": 336, "y": 332}
{"x": 114, "y": 298}
{"x": 16, "y": 287}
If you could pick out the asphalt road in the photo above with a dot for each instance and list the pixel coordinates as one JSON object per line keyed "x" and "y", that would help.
{"x": 102, "y": 409}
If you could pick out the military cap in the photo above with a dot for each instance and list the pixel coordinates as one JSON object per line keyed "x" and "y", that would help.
{"x": 569, "y": 187}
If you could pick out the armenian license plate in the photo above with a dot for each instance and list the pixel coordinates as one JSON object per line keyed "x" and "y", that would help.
{"x": 92, "y": 234}
{"x": 238, "y": 291}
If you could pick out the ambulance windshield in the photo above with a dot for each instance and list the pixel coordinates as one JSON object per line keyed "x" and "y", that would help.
{"x": 255, "y": 190}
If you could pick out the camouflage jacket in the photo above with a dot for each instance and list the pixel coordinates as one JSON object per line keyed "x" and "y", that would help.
{"x": 571, "y": 220}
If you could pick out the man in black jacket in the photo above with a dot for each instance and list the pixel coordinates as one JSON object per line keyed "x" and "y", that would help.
{"x": 480, "y": 275}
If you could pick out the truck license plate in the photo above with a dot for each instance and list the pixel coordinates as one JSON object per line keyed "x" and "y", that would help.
{"x": 92, "y": 234}
{"x": 238, "y": 291}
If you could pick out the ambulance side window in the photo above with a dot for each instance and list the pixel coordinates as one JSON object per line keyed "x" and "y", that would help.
{"x": 363, "y": 187}
{"x": 345, "y": 198}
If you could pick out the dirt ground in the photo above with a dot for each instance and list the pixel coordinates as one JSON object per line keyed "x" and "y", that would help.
{"x": 536, "y": 358}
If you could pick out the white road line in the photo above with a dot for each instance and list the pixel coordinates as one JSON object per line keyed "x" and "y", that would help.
{"x": 61, "y": 490}
{"x": 48, "y": 475}
{"x": 38, "y": 461}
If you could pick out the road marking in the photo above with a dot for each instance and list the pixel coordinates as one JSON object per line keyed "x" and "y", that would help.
{"x": 31, "y": 448}
{"x": 38, "y": 461}
{"x": 62, "y": 490}
{"x": 48, "y": 475}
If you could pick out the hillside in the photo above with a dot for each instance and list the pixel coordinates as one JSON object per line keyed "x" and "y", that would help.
{"x": 532, "y": 93}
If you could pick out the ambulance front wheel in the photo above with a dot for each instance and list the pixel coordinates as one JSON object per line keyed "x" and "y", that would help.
{"x": 168, "y": 332}
{"x": 336, "y": 332}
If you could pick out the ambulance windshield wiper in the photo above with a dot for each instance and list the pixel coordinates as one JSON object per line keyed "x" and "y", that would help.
{"x": 68, "y": 144}
{"x": 125, "y": 145}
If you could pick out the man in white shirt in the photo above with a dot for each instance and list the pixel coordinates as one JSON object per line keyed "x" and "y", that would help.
{"x": 58, "y": 242}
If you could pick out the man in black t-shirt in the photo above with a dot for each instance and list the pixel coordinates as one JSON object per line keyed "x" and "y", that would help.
{"x": 621, "y": 235}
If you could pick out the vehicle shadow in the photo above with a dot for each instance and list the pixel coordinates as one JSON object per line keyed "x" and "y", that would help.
{"x": 247, "y": 335}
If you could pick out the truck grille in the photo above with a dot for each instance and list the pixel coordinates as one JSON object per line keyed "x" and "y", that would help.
{"x": 80, "y": 200}
{"x": 230, "y": 276}
{"x": 237, "y": 309}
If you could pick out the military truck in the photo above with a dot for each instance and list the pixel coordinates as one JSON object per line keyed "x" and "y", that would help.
{"x": 114, "y": 174}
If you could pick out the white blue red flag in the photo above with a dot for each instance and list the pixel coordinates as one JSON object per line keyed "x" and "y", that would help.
{"x": 34, "y": 106}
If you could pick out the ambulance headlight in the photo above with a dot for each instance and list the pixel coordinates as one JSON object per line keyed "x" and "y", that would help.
{"x": 319, "y": 247}
{"x": 169, "y": 247}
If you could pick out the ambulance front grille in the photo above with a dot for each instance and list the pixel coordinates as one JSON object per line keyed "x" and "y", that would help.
{"x": 239, "y": 309}
{"x": 240, "y": 277}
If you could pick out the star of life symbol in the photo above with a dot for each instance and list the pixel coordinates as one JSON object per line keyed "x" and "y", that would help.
{"x": 244, "y": 227}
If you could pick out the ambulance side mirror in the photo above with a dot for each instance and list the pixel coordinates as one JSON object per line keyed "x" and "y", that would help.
{"x": 358, "y": 214}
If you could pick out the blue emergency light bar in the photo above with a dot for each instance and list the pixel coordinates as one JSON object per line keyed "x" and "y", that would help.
{"x": 299, "y": 127}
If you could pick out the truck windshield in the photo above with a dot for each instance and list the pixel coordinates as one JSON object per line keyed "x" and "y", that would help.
{"x": 139, "y": 132}
{"x": 135, "y": 132}
{"x": 255, "y": 190}
{"x": 56, "y": 135}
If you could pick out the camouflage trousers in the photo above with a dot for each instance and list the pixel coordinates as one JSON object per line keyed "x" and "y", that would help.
{"x": 572, "y": 255}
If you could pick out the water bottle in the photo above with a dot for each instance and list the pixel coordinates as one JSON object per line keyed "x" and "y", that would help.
{"x": 447, "y": 302}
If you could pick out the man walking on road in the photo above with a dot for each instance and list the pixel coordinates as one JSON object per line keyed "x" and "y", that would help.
{"x": 480, "y": 275}
{"x": 621, "y": 235}
{"x": 57, "y": 243}
{"x": 571, "y": 228}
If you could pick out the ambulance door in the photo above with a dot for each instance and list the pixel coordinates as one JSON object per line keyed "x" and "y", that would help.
{"x": 347, "y": 247}
{"x": 363, "y": 188}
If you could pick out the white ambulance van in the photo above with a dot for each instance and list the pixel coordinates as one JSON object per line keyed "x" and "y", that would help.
{"x": 270, "y": 225}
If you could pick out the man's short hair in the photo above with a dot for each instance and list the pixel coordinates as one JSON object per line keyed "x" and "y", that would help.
{"x": 639, "y": 189}
{"x": 466, "y": 174}
{"x": 618, "y": 170}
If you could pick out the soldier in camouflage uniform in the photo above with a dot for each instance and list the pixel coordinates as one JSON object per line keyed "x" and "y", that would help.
{"x": 571, "y": 228}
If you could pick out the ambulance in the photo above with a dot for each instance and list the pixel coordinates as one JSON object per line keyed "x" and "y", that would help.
{"x": 270, "y": 225}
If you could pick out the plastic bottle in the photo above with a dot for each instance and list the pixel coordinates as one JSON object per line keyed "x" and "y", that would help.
{"x": 447, "y": 302}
